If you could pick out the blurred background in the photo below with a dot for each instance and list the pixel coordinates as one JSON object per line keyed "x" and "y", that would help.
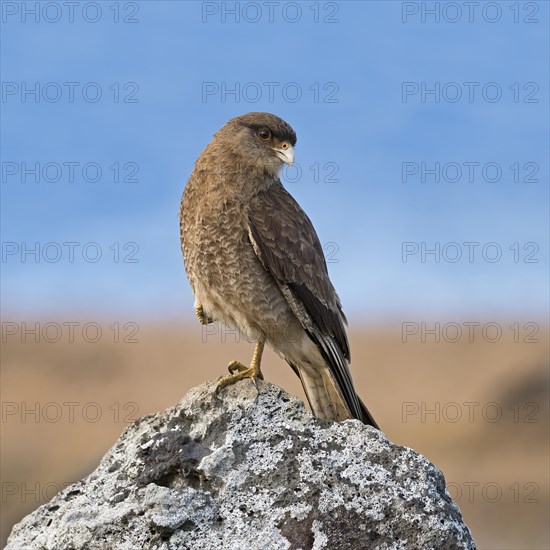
{"x": 422, "y": 160}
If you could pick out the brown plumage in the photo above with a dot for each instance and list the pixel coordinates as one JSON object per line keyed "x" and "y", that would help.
{"x": 255, "y": 262}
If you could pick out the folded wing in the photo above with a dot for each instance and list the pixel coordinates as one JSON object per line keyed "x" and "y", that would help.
{"x": 286, "y": 243}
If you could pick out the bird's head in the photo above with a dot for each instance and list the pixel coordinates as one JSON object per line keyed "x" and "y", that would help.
{"x": 261, "y": 140}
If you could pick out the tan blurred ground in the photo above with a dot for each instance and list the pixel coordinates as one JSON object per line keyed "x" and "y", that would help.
{"x": 496, "y": 470}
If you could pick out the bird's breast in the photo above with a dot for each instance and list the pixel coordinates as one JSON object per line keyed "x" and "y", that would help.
{"x": 227, "y": 277}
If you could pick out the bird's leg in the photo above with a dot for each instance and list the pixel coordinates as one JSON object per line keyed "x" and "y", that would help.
{"x": 253, "y": 372}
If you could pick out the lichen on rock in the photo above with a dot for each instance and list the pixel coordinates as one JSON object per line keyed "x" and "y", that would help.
{"x": 250, "y": 469}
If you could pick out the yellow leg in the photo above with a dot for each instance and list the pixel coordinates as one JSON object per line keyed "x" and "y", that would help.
{"x": 253, "y": 372}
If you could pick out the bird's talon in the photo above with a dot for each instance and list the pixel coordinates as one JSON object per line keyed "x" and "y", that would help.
{"x": 217, "y": 392}
{"x": 254, "y": 373}
{"x": 236, "y": 366}
{"x": 203, "y": 318}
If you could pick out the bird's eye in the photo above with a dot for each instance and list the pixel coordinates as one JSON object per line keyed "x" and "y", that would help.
{"x": 264, "y": 134}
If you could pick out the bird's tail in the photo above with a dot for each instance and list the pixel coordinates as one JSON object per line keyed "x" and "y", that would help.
{"x": 367, "y": 416}
{"x": 324, "y": 397}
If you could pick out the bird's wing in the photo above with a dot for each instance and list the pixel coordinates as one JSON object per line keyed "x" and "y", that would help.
{"x": 286, "y": 243}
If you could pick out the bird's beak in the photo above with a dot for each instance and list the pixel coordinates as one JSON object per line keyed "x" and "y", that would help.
{"x": 286, "y": 153}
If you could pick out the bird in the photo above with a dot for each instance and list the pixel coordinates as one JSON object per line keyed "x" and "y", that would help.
{"x": 255, "y": 263}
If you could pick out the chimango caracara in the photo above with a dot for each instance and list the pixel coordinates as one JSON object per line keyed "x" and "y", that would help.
{"x": 255, "y": 263}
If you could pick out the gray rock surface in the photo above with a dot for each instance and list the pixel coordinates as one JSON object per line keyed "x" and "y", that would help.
{"x": 250, "y": 469}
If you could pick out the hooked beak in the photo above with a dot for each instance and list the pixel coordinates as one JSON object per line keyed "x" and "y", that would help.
{"x": 286, "y": 153}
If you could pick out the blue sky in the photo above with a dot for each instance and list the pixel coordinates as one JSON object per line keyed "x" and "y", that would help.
{"x": 161, "y": 80}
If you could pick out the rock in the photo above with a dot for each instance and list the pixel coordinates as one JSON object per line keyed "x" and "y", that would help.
{"x": 250, "y": 469}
